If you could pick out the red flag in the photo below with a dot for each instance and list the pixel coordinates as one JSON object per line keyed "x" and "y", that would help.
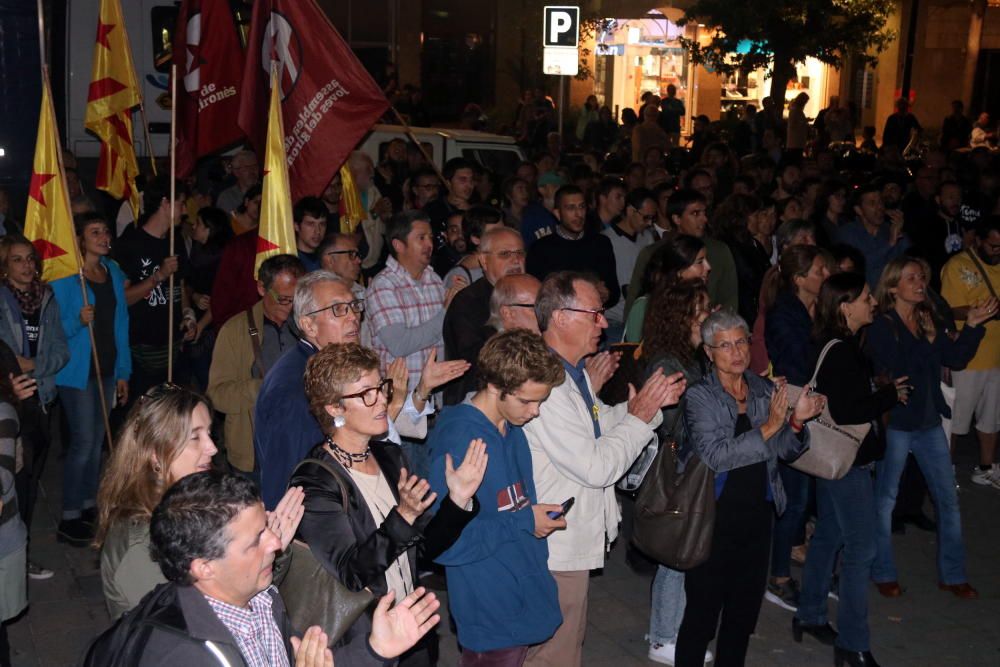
{"x": 209, "y": 62}
{"x": 328, "y": 100}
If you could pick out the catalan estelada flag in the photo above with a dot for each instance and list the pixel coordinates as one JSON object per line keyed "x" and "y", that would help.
{"x": 48, "y": 223}
{"x": 276, "y": 234}
{"x": 113, "y": 92}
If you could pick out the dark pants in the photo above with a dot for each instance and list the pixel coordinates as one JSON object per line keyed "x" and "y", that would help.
{"x": 730, "y": 583}
{"x": 503, "y": 657}
{"x": 789, "y": 527}
{"x": 37, "y": 427}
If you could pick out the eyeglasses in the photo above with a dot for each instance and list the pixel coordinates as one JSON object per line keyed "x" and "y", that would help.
{"x": 598, "y": 313}
{"x": 507, "y": 254}
{"x": 282, "y": 300}
{"x": 341, "y": 307}
{"x": 369, "y": 396}
{"x": 519, "y": 305}
{"x": 729, "y": 346}
{"x": 351, "y": 254}
{"x": 650, "y": 218}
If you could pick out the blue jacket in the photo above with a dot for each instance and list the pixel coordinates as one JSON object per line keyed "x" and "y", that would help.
{"x": 787, "y": 334}
{"x": 876, "y": 249}
{"x": 76, "y": 373}
{"x": 500, "y": 589}
{"x": 896, "y": 352}
{"x": 284, "y": 428}
{"x": 51, "y": 351}
{"x": 710, "y": 419}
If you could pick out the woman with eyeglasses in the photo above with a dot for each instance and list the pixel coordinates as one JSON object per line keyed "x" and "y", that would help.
{"x": 166, "y": 436}
{"x": 372, "y": 539}
{"x": 738, "y": 424}
{"x": 31, "y": 328}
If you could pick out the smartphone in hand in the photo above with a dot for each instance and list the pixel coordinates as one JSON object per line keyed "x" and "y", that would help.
{"x": 565, "y": 508}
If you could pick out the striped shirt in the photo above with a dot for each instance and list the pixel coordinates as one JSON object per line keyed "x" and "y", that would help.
{"x": 257, "y": 635}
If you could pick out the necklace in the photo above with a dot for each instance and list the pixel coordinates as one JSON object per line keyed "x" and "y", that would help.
{"x": 345, "y": 458}
{"x": 737, "y": 398}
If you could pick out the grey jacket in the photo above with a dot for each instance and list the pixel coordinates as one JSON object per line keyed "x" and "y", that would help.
{"x": 53, "y": 352}
{"x": 710, "y": 419}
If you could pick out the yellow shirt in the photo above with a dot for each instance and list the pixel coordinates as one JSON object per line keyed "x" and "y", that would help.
{"x": 962, "y": 284}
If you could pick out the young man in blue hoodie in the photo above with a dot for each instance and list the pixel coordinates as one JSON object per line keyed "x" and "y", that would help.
{"x": 503, "y": 597}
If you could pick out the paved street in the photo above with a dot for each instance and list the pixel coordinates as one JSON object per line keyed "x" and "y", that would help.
{"x": 923, "y": 628}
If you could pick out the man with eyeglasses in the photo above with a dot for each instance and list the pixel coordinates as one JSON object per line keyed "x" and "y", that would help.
{"x": 512, "y": 304}
{"x": 628, "y": 236}
{"x": 339, "y": 255}
{"x": 501, "y": 253}
{"x": 580, "y": 447}
{"x": 571, "y": 248}
{"x": 247, "y": 347}
{"x": 284, "y": 429}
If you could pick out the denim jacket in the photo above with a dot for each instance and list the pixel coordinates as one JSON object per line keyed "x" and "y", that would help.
{"x": 52, "y": 352}
{"x": 710, "y": 420}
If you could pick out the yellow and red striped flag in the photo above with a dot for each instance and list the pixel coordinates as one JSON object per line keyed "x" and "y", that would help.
{"x": 113, "y": 92}
{"x": 276, "y": 233}
{"x": 48, "y": 223}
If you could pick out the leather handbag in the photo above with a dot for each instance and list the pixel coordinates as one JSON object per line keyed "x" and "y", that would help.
{"x": 832, "y": 446}
{"x": 675, "y": 512}
{"x": 312, "y": 595}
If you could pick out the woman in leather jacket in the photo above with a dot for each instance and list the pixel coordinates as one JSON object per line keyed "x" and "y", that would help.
{"x": 373, "y": 538}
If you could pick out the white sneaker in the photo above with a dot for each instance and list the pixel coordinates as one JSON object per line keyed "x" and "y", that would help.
{"x": 664, "y": 653}
{"x": 989, "y": 477}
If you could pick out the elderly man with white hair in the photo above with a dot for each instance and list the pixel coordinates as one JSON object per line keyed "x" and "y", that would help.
{"x": 246, "y": 170}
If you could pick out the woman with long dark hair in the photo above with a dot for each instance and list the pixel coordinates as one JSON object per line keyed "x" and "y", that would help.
{"x": 845, "y": 507}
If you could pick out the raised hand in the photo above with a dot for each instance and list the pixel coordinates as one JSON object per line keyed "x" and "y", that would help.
{"x": 436, "y": 373}
{"x": 413, "y": 496}
{"x": 311, "y": 650}
{"x": 601, "y": 367}
{"x": 397, "y": 630}
{"x": 285, "y": 518}
{"x": 658, "y": 392}
{"x": 400, "y": 376}
{"x": 464, "y": 482}
{"x": 982, "y": 312}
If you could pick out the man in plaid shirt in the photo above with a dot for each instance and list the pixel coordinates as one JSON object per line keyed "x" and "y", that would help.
{"x": 216, "y": 546}
{"x": 406, "y": 302}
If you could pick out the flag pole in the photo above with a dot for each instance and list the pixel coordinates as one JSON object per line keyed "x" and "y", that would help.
{"x": 75, "y": 244}
{"x": 409, "y": 132}
{"x": 173, "y": 197}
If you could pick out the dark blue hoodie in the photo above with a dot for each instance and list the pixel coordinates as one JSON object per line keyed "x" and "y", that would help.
{"x": 500, "y": 590}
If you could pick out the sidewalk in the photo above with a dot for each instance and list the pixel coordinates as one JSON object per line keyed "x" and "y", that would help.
{"x": 923, "y": 628}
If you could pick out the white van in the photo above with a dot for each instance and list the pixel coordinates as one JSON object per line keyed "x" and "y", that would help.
{"x": 495, "y": 152}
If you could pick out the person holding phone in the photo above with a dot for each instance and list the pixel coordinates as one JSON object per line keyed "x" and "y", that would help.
{"x": 502, "y": 596}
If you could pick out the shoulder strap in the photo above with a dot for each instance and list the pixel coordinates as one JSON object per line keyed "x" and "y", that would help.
{"x": 822, "y": 356}
{"x": 344, "y": 493}
{"x": 255, "y": 341}
{"x": 982, "y": 272}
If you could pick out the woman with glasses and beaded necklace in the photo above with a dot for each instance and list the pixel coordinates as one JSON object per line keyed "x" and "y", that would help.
{"x": 372, "y": 539}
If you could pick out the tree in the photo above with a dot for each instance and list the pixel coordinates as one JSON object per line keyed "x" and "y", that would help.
{"x": 774, "y": 35}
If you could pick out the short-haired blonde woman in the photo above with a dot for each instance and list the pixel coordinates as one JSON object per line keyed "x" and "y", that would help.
{"x": 372, "y": 539}
{"x": 905, "y": 340}
{"x": 166, "y": 436}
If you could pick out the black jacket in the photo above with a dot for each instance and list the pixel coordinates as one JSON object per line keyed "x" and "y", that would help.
{"x": 465, "y": 332}
{"x": 845, "y": 378}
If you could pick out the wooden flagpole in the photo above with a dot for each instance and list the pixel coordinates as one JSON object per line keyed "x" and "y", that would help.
{"x": 409, "y": 132}
{"x": 173, "y": 204}
{"x": 75, "y": 244}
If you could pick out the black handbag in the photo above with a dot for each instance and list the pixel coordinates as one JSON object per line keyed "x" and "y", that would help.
{"x": 675, "y": 512}
{"x": 312, "y": 595}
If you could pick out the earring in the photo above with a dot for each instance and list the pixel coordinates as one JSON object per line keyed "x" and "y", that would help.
{"x": 339, "y": 421}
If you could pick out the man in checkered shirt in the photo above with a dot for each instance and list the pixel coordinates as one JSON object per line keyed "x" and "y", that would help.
{"x": 216, "y": 546}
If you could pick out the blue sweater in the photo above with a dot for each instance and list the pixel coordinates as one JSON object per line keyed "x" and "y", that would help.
{"x": 76, "y": 372}
{"x": 896, "y": 352}
{"x": 284, "y": 428}
{"x": 500, "y": 589}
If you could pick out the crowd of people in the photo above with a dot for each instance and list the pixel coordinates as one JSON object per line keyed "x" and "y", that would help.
{"x": 441, "y": 384}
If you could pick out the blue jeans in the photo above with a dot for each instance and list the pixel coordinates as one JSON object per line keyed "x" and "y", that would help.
{"x": 788, "y": 527}
{"x": 930, "y": 449}
{"x": 667, "y": 606}
{"x": 82, "y": 468}
{"x": 845, "y": 523}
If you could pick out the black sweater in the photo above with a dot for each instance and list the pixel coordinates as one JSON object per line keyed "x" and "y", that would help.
{"x": 846, "y": 380}
{"x": 592, "y": 254}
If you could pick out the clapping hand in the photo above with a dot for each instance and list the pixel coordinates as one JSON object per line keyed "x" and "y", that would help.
{"x": 601, "y": 367}
{"x": 436, "y": 373}
{"x": 982, "y": 311}
{"x": 464, "y": 482}
{"x": 413, "y": 496}
{"x": 400, "y": 376}
{"x": 397, "y": 630}
{"x": 659, "y": 391}
{"x": 284, "y": 520}
{"x": 311, "y": 650}
{"x": 808, "y": 405}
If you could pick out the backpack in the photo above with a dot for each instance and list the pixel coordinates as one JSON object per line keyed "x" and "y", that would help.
{"x": 123, "y": 642}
